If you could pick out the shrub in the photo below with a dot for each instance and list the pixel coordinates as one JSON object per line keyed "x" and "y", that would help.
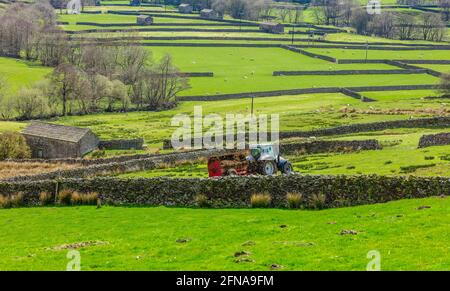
{"x": 260, "y": 200}
{"x": 317, "y": 201}
{"x": 5, "y": 202}
{"x": 98, "y": 154}
{"x": 294, "y": 200}
{"x": 76, "y": 199}
{"x": 201, "y": 200}
{"x": 45, "y": 198}
{"x": 16, "y": 200}
{"x": 84, "y": 198}
{"x": 13, "y": 146}
{"x": 65, "y": 197}
{"x": 90, "y": 198}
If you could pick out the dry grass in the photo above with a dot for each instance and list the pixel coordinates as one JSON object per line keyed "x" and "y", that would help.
{"x": 260, "y": 200}
{"x": 84, "y": 198}
{"x": 65, "y": 196}
{"x": 13, "y": 169}
{"x": 45, "y": 198}
{"x": 294, "y": 200}
{"x": 15, "y": 200}
{"x": 317, "y": 201}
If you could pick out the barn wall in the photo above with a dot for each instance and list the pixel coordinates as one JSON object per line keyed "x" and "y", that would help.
{"x": 51, "y": 149}
{"x": 88, "y": 143}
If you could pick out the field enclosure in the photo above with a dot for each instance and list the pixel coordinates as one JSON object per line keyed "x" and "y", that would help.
{"x": 353, "y": 112}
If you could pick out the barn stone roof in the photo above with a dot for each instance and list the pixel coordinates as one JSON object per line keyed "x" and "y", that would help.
{"x": 55, "y": 131}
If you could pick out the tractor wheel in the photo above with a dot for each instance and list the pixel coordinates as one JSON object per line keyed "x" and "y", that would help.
{"x": 232, "y": 172}
{"x": 268, "y": 168}
{"x": 287, "y": 168}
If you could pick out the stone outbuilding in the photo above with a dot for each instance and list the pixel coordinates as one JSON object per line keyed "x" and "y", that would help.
{"x": 144, "y": 20}
{"x": 210, "y": 14}
{"x": 272, "y": 27}
{"x": 185, "y": 8}
{"x": 52, "y": 141}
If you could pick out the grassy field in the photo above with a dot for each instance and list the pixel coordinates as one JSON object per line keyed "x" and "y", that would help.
{"x": 256, "y": 66}
{"x": 384, "y": 54}
{"x": 399, "y": 156}
{"x": 145, "y": 238}
{"x": 20, "y": 73}
{"x": 302, "y": 112}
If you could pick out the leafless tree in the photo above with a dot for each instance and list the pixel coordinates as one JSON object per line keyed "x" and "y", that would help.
{"x": 360, "y": 20}
{"x": 65, "y": 79}
{"x": 163, "y": 83}
{"x": 52, "y": 48}
{"x": 283, "y": 13}
{"x": 406, "y": 27}
{"x": 383, "y": 25}
{"x": 433, "y": 28}
{"x": 132, "y": 61}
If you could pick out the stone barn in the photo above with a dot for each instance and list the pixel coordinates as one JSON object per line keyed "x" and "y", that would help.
{"x": 210, "y": 14}
{"x": 51, "y": 141}
{"x": 144, "y": 20}
{"x": 272, "y": 27}
{"x": 185, "y": 8}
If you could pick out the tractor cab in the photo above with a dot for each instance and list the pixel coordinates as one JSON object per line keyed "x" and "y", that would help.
{"x": 268, "y": 159}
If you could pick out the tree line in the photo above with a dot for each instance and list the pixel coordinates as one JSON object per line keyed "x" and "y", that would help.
{"x": 88, "y": 76}
{"x": 395, "y": 25}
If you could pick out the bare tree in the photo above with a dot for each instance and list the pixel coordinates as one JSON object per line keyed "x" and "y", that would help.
{"x": 163, "y": 84}
{"x": 283, "y": 12}
{"x": 433, "y": 28}
{"x": 64, "y": 80}
{"x": 298, "y": 11}
{"x": 383, "y": 25}
{"x": 406, "y": 27}
{"x": 360, "y": 20}
{"x": 132, "y": 61}
{"x": 52, "y": 48}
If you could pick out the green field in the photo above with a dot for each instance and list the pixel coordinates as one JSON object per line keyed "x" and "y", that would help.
{"x": 296, "y": 113}
{"x": 20, "y": 73}
{"x": 399, "y": 156}
{"x": 145, "y": 238}
{"x": 256, "y": 66}
{"x": 384, "y": 54}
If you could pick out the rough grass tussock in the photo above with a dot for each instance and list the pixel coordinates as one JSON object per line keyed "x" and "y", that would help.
{"x": 201, "y": 200}
{"x": 15, "y": 200}
{"x": 294, "y": 200}
{"x": 260, "y": 200}
{"x": 45, "y": 198}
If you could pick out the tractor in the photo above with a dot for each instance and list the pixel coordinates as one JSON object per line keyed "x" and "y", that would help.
{"x": 261, "y": 159}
